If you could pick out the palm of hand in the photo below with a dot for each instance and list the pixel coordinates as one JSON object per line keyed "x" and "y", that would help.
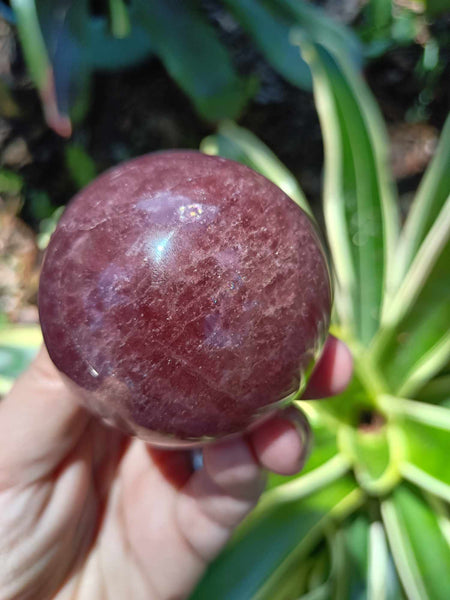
{"x": 86, "y": 513}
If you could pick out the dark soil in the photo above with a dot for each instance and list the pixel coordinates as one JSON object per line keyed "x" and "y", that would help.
{"x": 141, "y": 110}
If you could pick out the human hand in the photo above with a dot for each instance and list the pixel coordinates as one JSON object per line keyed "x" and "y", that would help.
{"x": 87, "y": 513}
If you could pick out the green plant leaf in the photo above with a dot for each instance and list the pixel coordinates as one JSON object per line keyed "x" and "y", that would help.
{"x": 428, "y": 203}
{"x": 435, "y": 244}
{"x": 419, "y": 548}
{"x": 38, "y": 63}
{"x": 240, "y": 144}
{"x": 331, "y": 34}
{"x": 359, "y": 201}
{"x": 270, "y": 24}
{"x": 80, "y": 165}
{"x": 270, "y": 32}
{"x": 119, "y": 17}
{"x": 426, "y": 464}
{"x": 313, "y": 569}
{"x": 375, "y": 456}
{"x": 264, "y": 549}
{"x": 33, "y": 43}
{"x": 368, "y": 571}
{"x": 437, "y": 390}
{"x": 194, "y": 57}
{"x": 434, "y": 416}
{"x": 110, "y": 53}
{"x": 416, "y": 345}
{"x": 65, "y": 27}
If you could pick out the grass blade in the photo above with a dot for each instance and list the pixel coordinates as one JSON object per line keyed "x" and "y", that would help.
{"x": 359, "y": 202}
{"x": 237, "y": 143}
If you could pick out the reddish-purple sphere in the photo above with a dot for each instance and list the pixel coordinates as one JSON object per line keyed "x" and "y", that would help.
{"x": 184, "y": 295}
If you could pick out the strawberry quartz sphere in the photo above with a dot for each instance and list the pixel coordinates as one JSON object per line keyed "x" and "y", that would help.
{"x": 184, "y": 296}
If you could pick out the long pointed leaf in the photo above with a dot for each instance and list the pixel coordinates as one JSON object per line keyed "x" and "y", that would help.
{"x": 427, "y": 256}
{"x": 39, "y": 64}
{"x": 411, "y": 351}
{"x": 359, "y": 204}
{"x": 368, "y": 570}
{"x": 430, "y": 198}
{"x": 265, "y": 548}
{"x": 420, "y": 551}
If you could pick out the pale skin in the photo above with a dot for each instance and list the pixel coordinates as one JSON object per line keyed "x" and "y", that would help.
{"x": 89, "y": 514}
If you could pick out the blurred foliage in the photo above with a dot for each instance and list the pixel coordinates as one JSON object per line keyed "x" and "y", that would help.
{"x": 377, "y": 486}
{"x": 63, "y": 43}
{"x": 369, "y": 516}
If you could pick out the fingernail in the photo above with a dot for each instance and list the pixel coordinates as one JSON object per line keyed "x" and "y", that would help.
{"x": 301, "y": 424}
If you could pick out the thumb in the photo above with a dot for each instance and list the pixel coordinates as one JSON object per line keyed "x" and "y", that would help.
{"x": 40, "y": 421}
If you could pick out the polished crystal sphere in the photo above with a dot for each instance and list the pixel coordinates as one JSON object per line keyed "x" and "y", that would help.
{"x": 184, "y": 297}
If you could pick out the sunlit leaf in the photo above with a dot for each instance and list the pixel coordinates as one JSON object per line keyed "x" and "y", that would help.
{"x": 419, "y": 548}
{"x": 359, "y": 202}
{"x": 264, "y": 549}
{"x": 194, "y": 57}
{"x": 240, "y": 144}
